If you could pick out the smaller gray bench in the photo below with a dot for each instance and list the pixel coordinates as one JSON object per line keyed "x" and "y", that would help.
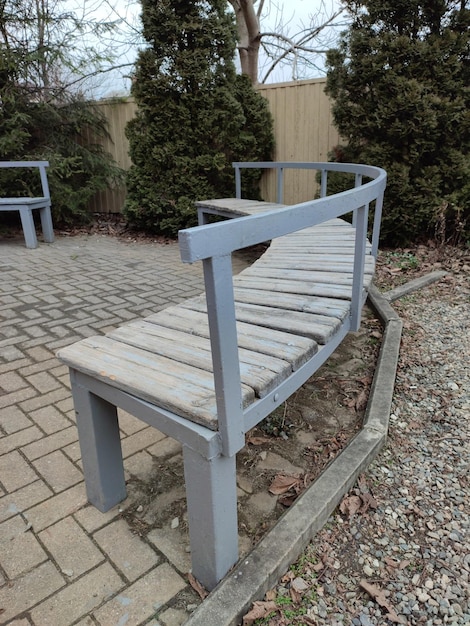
{"x": 26, "y": 205}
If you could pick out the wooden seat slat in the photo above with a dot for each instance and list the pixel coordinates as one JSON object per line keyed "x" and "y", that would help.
{"x": 150, "y": 377}
{"x": 281, "y": 285}
{"x": 304, "y": 262}
{"x": 318, "y": 327}
{"x": 291, "y": 348}
{"x": 257, "y": 370}
{"x": 293, "y": 301}
{"x": 306, "y": 276}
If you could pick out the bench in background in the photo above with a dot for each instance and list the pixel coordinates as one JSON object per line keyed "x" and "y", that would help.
{"x": 209, "y": 369}
{"x": 26, "y": 205}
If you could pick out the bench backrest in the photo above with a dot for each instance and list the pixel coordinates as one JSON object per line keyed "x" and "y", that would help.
{"x": 41, "y": 165}
{"x": 213, "y": 244}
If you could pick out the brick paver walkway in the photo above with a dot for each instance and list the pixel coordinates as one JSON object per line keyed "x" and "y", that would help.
{"x": 61, "y": 561}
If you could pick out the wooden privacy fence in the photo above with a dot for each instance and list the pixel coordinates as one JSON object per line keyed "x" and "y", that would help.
{"x": 303, "y": 129}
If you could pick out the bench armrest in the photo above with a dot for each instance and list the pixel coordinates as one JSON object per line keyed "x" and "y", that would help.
{"x": 41, "y": 165}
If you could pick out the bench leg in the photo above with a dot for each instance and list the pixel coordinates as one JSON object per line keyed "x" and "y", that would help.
{"x": 211, "y": 494}
{"x": 100, "y": 446}
{"x": 29, "y": 231}
{"x": 46, "y": 224}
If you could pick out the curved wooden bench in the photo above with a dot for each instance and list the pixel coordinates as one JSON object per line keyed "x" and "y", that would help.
{"x": 207, "y": 370}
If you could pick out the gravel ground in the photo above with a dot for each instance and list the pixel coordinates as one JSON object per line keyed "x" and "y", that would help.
{"x": 397, "y": 551}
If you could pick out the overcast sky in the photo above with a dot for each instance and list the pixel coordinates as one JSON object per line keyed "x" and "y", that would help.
{"x": 293, "y": 14}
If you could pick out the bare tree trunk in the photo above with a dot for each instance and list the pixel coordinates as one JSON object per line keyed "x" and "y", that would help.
{"x": 249, "y": 39}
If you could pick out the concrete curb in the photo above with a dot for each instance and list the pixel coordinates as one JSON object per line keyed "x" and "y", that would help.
{"x": 413, "y": 285}
{"x": 270, "y": 558}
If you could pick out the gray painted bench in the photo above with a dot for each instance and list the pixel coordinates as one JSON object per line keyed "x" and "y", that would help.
{"x": 26, "y": 205}
{"x": 209, "y": 369}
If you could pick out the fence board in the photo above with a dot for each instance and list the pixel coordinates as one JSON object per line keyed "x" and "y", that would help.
{"x": 303, "y": 128}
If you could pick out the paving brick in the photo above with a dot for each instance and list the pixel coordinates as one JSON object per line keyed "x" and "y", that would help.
{"x": 52, "y": 510}
{"x": 140, "y": 465}
{"x": 42, "y": 367}
{"x": 126, "y": 550}
{"x": 130, "y": 424}
{"x": 49, "y": 419}
{"x": 15, "y": 397}
{"x": 86, "y": 621}
{"x": 49, "y": 444}
{"x": 165, "y": 448}
{"x": 44, "y": 399}
{"x": 15, "y": 471}
{"x": 142, "y": 599}
{"x": 18, "y": 439}
{"x": 28, "y": 590}
{"x": 23, "y": 499}
{"x": 12, "y": 420}
{"x": 174, "y": 545}
{"x": 58, "y": 471}
{"x": 10, "y": 366}
{"x": 139, "y": 441}
{"x": 20, "y": 551}
{"x": 79, "y": 598}
{"x": 73, "y": 451}
{"x": 10, "y": 353}
{"x": 173, "y": 617}
{"x": 65, "y": 405}
{"x": 71, "y": 548}
{"x": 20, "y": 622}
{"x": 91, "y": 519}
{"x": 12, "y": 382}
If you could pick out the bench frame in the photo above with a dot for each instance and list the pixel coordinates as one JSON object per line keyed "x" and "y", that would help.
{"x": 26, "y": 205}
{"x": 209, "y": 456}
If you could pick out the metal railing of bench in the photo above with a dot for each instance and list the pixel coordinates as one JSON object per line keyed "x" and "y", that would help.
{"x": 213, "y": 244}
{"x": 25, "y": 205}
{"x": 360, "y": 172}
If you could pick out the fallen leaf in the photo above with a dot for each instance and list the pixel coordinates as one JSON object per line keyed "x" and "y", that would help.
{"x": 282, "y": 483}
{"x": 368, "y": 501}
{"x": 270, "y": 595}
{"x": 259, "y": 610}
{"x": 287, "y": 500}
{"x": 196, "y": 585}
{"x": 295, "y": 596}
{"x": 378, "y": 595}
{"x": 361, "y": 400}
{"x": 257, "y": 441}
{"x": 350, "y": 505}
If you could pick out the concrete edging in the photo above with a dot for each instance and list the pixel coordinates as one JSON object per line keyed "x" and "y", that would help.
{"x": 261, "y": 569}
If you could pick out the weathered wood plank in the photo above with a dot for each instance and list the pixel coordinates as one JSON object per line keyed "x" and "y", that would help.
{"x": 318, "y": 327}
{"x": 257, "y": 370}
{"x": 238, "y": 206}
{"x": 293, "y": 302}
{"x": 292, "y": 286}
{"x": 150, "y": 377}
{"x": 294, "y": 349}
{"x": 306, "y": 276}
{"x": 304, "y": 262}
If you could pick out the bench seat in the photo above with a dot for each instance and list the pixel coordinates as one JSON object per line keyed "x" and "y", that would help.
{"x": 283, "y": 318}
